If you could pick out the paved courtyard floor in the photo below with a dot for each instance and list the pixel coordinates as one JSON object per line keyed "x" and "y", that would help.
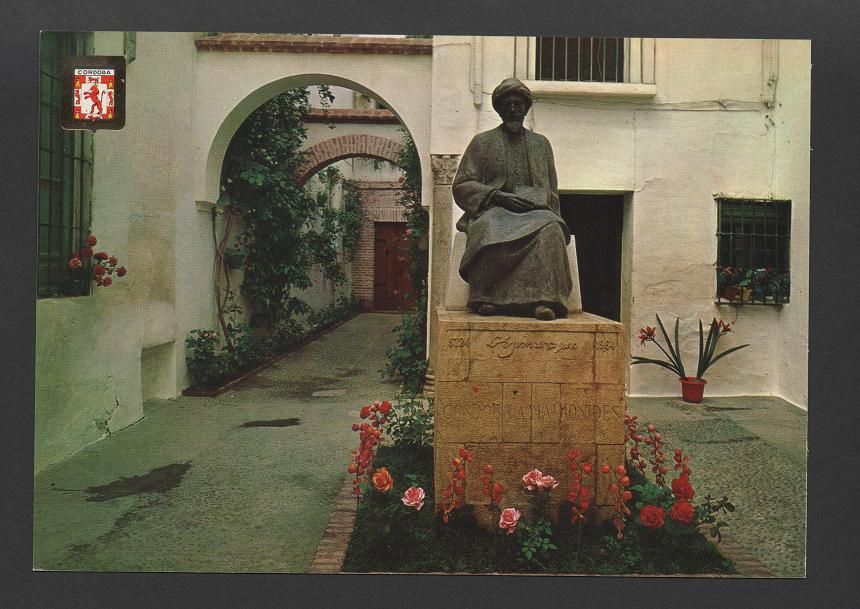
{"x": 245, "y": 482}
{"x": 210, "y": 484}
{"x": 752, "y": 449}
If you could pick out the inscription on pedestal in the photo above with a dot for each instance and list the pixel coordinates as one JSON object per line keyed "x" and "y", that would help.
{"x": 520, "y": 394}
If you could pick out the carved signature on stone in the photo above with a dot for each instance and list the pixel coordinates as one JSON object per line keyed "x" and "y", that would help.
{"x": 591, "y": 411}
{"x": 504, "y": 346}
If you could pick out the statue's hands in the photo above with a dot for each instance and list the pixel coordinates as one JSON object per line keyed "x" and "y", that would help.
{"x": 512, "y": 202}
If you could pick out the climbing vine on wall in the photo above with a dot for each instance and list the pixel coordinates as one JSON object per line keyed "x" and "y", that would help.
{"x": 348, "y": 217}
{"x": 408, "y": 358}
{"x": 286, "y": 231}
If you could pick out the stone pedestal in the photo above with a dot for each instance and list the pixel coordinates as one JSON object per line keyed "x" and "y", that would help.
{"x": 520, "y": 393}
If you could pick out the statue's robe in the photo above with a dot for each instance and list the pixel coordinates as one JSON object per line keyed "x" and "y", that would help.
{"x": 512, "y": 260}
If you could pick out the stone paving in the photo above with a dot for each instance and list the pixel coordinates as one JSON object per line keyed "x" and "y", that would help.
{"x": 752, "y": 449}
{"x": 247, "y": 482}
{"x": 221, "y": 496}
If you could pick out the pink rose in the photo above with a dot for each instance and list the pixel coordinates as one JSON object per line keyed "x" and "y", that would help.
{"x": 413, "y": 497}
{"x": 548, "y": 482}
{"x": 509, "y": 519}
{"x": 533, "y": 480}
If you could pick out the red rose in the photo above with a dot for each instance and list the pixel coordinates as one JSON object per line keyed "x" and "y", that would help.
{"x": 112, "y": 261}
{"x": 365, "y": 412}
{"x": 465, "y": 454}
{"x": 120, "y": 272}
{"x": 532, "y": 480}
{"x": 413, "y": 497}
{"x": 548, "y": 482}
{"x": 75, "y": 263}
{"x": 99, "y": 270}
{"x": 91, "y": 240}
{"x": 100, "y": 256}
{"x": 651, "y": 516}
{"x": 385, "y": 407}
{"x": 682, "y": 512}
{"x": 106, "y": 282}
{"x": 682, "y": 489}
{"x": 509, "y": 518}
{"x": 382, "y": 480}
{"x": 86, "y": 252}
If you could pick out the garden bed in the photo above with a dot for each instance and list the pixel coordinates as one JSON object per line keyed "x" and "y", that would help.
{"x": 390, "y": 540}
{"x": 211, "y": 391}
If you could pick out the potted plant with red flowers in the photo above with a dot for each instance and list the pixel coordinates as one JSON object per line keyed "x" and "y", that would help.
{"x": 692, "y": 387}
{"x": 728, "y": 278}
{"x": 86, "y": 266}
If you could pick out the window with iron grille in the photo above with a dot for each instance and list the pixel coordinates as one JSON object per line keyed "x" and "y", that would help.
{"x": 580, "y": 59}
{"x": 65, "y": 168}
{"x": 753, "y": 239}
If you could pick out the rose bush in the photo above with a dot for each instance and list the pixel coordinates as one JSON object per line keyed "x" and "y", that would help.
{"x": 674, "y": 498}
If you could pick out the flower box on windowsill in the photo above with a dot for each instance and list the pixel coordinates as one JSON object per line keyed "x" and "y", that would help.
{"x": 742, "y": 295}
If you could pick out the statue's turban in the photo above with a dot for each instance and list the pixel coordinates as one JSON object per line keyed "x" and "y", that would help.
{"x": 511, "y": 85}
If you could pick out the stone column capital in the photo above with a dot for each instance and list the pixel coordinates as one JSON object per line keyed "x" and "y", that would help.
{"x": 444, "y": 168}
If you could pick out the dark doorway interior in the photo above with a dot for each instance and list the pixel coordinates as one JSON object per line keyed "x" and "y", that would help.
{"x": 596, "y": 222}
{"x": 390, "y": 279}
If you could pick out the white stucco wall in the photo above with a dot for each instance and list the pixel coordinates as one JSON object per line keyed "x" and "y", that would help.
{"x": 231, "y": 85}
{"x": 707, "y": 130}
{"x": 89, "y": 350}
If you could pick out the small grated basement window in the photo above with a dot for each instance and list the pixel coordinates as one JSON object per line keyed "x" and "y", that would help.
{"x": 753, "y": 243}
{"x": 65, "y": 168}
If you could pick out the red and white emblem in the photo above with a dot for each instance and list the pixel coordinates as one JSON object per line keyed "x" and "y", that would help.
{"x": 95, "y": 94}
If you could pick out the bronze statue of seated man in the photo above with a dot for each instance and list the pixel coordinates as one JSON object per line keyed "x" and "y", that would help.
{"x": 515, "y": 260}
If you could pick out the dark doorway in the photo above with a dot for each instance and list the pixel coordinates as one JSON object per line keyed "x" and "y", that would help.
{"x": 390, "y": 279}
{"x": 596, "y": 221}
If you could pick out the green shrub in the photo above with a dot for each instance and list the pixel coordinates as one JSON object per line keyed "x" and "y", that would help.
{"x": 411, "y": 422}
{"x": 408, "y": 358}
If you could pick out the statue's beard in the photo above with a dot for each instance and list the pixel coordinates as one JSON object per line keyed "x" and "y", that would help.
{"x": 513, "y": 125}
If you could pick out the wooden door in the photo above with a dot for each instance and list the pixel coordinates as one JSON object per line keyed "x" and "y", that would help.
{"x": 390, "y": 279}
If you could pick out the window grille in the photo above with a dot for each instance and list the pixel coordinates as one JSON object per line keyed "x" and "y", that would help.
{"x": 580, "y": 59}
{"x": 753, "y": 237}
{"x": 65, "y": 167}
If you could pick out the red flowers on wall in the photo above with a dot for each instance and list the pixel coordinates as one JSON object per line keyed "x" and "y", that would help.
{"x": 81, "y": 263}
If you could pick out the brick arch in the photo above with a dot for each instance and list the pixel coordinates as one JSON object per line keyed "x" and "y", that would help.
{"x": 344, "y": 147}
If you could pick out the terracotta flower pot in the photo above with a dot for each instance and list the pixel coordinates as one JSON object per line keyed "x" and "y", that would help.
{"x": 730, "y": 293}
{"x": 692, "y": 389}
